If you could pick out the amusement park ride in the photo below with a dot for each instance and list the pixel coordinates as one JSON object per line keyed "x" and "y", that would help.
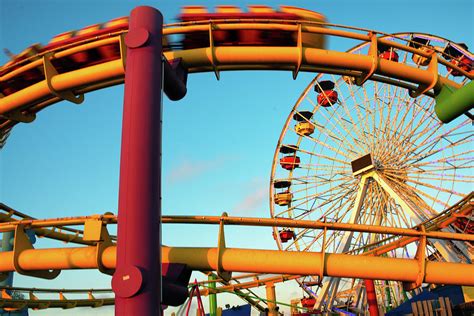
{"x": 370, "y": 189}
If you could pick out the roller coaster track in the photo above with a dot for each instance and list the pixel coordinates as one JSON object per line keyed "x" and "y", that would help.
{"x": 463, "y": 208}
{"x": 10, "y": 218}
{"x": 9, "y": 303}
{"x": 65, "y": 234}
{"x": 23, "y": 105}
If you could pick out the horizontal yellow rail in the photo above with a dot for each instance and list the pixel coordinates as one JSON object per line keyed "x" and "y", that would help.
{"x": 257, "y": 261}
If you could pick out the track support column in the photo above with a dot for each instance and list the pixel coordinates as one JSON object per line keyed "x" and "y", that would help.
{"x": 137, "y": 279}
{"x": 271, "y": 299}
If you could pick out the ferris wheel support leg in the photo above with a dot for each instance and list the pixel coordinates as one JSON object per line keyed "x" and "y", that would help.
{"x": 137, "y": 279}
{"x": 329, "y": 289}
{"x": 359, "y": 296}
{"x": 442, "y": 246}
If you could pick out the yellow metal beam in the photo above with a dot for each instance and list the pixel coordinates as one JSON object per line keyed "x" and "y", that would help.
{"x": 257, "y": 261}
{"x": 57, "y": 232}
{"x": 36, "y": 96}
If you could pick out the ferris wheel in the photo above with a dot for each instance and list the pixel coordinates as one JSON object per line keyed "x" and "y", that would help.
{"x": 371, "y": 153}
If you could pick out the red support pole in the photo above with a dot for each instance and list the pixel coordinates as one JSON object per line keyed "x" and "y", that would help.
{"x": 137, "y": 279}
{"x": 371, "y": 297}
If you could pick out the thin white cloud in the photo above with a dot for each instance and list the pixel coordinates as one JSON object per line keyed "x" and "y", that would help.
{"x": 188, "y": 169}
{"x": 253, "y": 201}
{"x": 256, "y": 199}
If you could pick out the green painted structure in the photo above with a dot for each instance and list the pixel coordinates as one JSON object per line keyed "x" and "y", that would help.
{"x": 452, "y": 103}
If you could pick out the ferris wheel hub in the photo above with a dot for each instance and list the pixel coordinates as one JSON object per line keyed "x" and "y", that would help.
{"x": 362, "y": 165}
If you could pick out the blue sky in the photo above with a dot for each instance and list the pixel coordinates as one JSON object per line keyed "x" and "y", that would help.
{"x": 218, "y": 142}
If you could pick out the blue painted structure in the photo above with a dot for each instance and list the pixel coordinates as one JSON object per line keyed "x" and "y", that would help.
{"x": 454, "y": 292}
{"x": 242, "y": 310}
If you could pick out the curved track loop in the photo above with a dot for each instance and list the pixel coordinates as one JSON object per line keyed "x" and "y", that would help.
{"x": 13, "y": 298}
{"x": 236, "y": 285}
{"x": 51, "y": 87}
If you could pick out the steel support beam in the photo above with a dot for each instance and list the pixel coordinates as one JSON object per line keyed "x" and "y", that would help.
{"x": 250, "y": 284}
{"x": 137, "y": 279}
{"x": 444, "y": 249}
{"x": 332, "y": 284}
